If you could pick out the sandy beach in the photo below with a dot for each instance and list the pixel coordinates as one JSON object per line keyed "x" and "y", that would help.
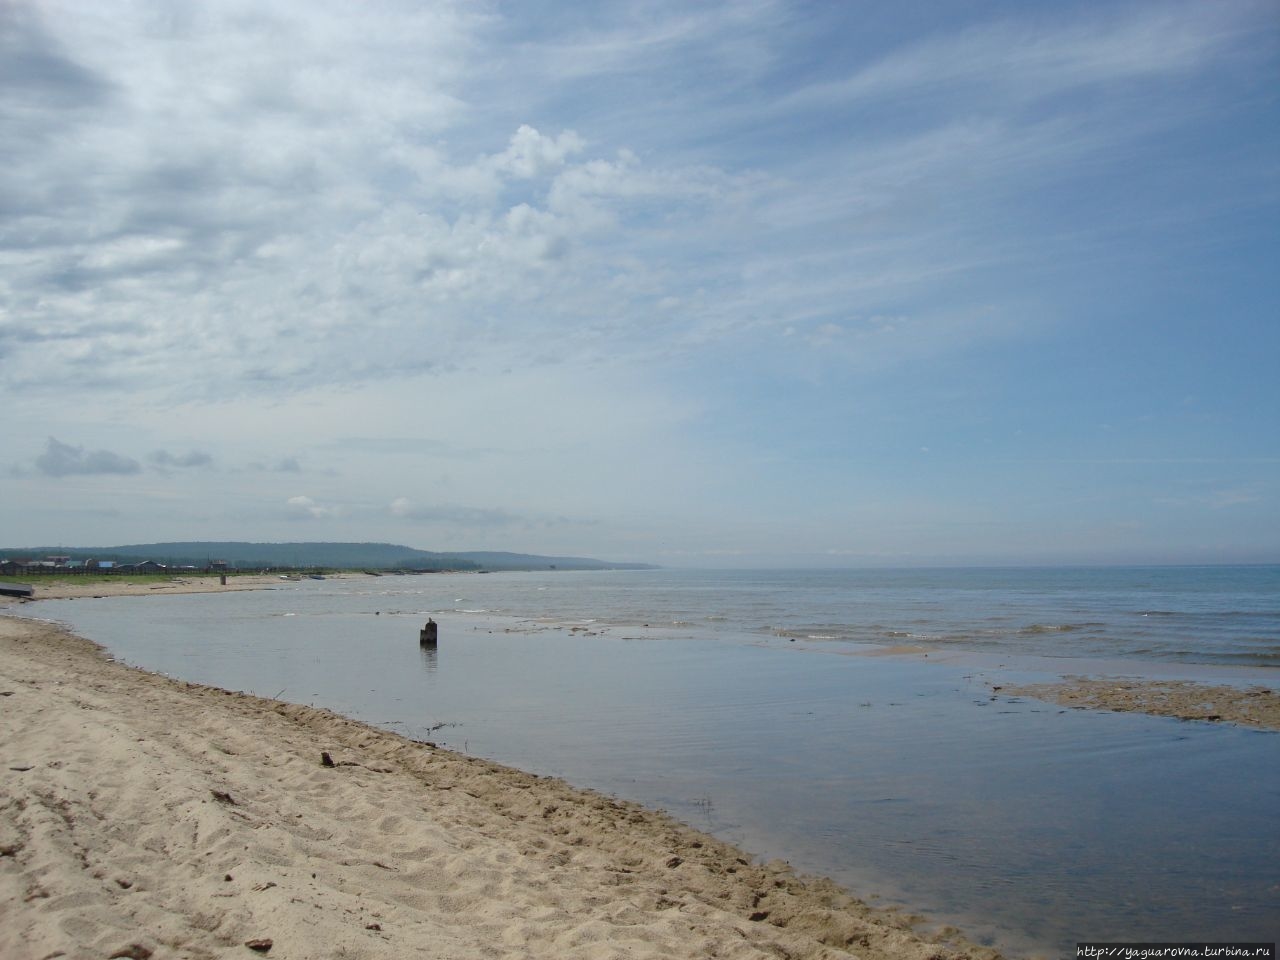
{"x": 146, "y": 817}
{"x": 73, "y": 588}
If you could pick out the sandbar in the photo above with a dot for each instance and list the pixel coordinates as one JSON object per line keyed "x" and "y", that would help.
{"x": 1255, "y": 706}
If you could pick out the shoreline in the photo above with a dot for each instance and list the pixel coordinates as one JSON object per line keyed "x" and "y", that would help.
{"x": 189, "y": 820}
{"x": 67, "y": 588}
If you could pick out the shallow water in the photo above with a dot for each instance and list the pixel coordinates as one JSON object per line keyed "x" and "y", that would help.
{"x": 1218, "y": 615}
{"x": 1026, "y": 825}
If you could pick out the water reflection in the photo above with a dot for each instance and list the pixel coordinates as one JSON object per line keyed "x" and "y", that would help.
{"x": 430, "y": 657}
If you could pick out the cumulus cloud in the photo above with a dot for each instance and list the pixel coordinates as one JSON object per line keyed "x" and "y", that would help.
{"x": 533, "y": 154}
{"x": 263, "y": 224}
{"x": 361, "y": 217}
{"x": 64, "y": 460}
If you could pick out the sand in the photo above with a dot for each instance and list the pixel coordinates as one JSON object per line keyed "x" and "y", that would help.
{"x": 142, "y": 816}
{"x": 1187, "y": 700}
{"x": 74, "y": 588}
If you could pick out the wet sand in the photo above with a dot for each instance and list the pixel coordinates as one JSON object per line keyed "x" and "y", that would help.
{"x": 1186, "y": 700}
{"x": 143, "y": 816}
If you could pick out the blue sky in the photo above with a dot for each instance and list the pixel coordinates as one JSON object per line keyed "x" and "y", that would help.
{"x": 710, "y": 284}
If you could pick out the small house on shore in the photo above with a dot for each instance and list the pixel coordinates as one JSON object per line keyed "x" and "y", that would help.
{"x": 143, "y": 566}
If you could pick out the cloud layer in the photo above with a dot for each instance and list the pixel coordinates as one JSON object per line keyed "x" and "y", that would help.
{"x": 634, "y": 275}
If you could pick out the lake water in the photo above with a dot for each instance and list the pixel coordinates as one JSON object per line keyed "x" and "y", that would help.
{"x": 743, "y": 703}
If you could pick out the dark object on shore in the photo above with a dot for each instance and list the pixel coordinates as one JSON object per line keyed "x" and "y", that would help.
{"x": 325, "y": 759}
{"x": 16, "y": 590}
{"x": 427, "y": 635}
{"x": 262, "y": 945}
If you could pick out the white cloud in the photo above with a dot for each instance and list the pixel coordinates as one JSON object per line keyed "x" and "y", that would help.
{"x": 303, "y": 507}
{"x": 325, "y": 262}
{"x": 531, "y": 154}
{"x": 294, "y": 213}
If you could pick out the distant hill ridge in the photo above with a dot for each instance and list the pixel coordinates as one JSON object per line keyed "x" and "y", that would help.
{"x": 378, "y": 556}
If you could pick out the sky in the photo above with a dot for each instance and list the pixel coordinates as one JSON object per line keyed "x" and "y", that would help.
{"x": 755, "y": 283}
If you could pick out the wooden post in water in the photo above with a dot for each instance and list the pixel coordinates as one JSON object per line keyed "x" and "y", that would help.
{"x": 427, "y": 635}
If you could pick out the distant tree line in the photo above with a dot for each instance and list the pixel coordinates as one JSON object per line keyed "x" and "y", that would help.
{"x": 258, "y": 557}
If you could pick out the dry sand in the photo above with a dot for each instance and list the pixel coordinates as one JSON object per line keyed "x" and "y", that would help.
{"x": 142, "y": 816}
{"x": 1186, "y": 700}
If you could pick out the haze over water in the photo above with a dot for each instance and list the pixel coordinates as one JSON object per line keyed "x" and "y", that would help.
{"x": 738, "y": 701}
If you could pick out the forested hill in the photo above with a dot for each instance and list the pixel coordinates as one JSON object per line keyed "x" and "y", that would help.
{"x": 379, "y": 556}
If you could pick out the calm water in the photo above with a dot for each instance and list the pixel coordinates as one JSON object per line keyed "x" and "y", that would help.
{"x": 740, "y": 703}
